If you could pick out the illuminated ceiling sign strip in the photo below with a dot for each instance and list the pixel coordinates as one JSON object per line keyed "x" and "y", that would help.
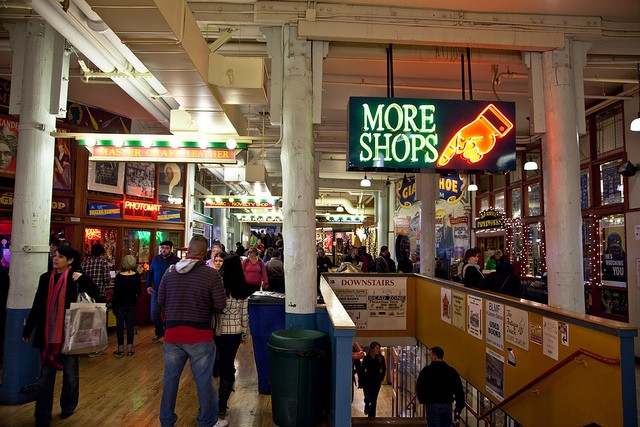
{"x": 239, "y": 202}
{"x": 259, "y": 218}
{"x": 391, "y": 134}
{"x": 162, "y": 154}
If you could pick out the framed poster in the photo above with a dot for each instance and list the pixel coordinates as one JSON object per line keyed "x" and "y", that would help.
{"x": 62, "y": 163}
{"x": 8, "y": 145}
{"x": 141, "y": 178}
{"x": 171, "y": 183}
{"x": 107, "y": 177}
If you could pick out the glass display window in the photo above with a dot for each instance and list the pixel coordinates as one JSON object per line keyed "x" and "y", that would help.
{"x": 498, "y": 200}
{"x": 107, "y": 237}
{"x": 533, "y": 200}
{"x": 587, "y": 249}
{"x": 138, "y": 244}
{"x": 483, "y": 204}
{"x": 534, "y": 255}
{"x": 585, "y": 194}
{"x": 611, "y": 183}
{"x": 609, "y": 131}
{"x": 516, "y": 203}
{"x": 174, "y": 237}
{"x": 516, "y": 175}
{"x": 535, "y": 157}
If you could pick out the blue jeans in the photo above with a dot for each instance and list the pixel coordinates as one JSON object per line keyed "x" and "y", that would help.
{"x": 156, "y": 314}
{"x": 201, "y": 357}
{"x": 125, "y": 316}
{"x": 439, "y": 414}
{"x": 46, "y": 385}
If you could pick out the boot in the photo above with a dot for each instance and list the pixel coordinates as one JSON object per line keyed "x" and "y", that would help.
{"x": 226, "y": 387}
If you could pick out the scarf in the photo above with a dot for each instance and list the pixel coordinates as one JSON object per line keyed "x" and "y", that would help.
{"x": 54, "y": 321}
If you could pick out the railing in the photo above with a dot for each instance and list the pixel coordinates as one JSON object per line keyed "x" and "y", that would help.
{"x": 546, "y": 374}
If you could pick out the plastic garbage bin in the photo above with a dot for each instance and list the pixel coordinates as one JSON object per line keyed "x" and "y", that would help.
{"x": 300, "y": 369}
{"x": 266, "y": 315}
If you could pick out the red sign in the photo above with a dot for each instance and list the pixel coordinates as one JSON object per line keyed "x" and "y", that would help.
{"x": 141, "y": 206}
{"x": 164, "y": 154}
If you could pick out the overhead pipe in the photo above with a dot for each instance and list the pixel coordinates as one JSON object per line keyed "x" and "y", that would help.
{"x": 58, "y": 19}
{"x": 346, "y": 204}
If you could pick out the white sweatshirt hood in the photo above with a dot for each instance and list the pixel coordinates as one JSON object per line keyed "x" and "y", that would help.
{"x": 185, "y": 265}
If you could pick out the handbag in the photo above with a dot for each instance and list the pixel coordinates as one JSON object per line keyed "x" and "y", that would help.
{"x": 85, "y": 326}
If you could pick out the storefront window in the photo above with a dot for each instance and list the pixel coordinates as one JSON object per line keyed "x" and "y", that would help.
{"x": 609, "y": 130}
{"x": 484, "y": 203}
{"x": 498, "y": 200}
{"x": 516, "y": 203}
{"x": 534, "y": 156}
{"x": 138, "y": 243}
{"x": 611, "y": 183}
{"x": 585, "y": 199}
{"x": 498, "y": 181}
{"x": 172, "y": 236}
{"x": 584, "y": 146}
{"x": 483, "y": 183}
{"x": 587, "y": 249}
{"x": 107, "y": 237}
{"x": 516, "y": 175}
{"x": 613, "y": 266}
{"x": 533, "y": 266}
{"x": 533, "y": 199}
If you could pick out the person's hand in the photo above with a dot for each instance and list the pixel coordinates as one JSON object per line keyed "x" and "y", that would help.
{"x": 150, "y": 290}
{"x": 76, "y": 275}
{"x": 477, "y": 138}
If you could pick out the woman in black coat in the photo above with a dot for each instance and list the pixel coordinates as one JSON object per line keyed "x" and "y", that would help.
{"x": 56, "y": 291}
{"x": 370, "y": 377}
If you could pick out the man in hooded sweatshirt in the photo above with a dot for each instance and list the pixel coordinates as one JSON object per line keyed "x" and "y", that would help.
{"x": 191, "y": 293}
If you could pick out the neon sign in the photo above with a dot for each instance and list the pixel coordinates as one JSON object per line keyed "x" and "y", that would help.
{"x": 388, "y": 134}
{"x": 141, "y": 206}
{"x": 92, "y": 234}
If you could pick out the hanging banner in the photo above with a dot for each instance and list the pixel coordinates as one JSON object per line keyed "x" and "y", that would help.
{"x": 391, "y": 134}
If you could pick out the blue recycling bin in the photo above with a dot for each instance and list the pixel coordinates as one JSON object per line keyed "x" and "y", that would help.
{"x": 266, "y": 315}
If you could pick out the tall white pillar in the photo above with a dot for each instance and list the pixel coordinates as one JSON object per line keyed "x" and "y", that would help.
{"x": 36, "y": 45}
{"x": 561, "y": 171}
{"x": 382, "y": 213}
{"x": 298, "y": 173}
{"x": 427, "y": 192}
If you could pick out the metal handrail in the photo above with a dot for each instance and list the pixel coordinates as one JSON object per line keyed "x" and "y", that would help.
{"x": 546, "y": 374}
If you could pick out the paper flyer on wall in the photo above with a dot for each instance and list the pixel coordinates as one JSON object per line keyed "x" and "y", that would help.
{"x": 495, "y": 374}
{"x": 474, "y": 316}
{"x": 550, "y": 337}
{"x": 458, "y": 311}
{"x": 516, "y": 329}
{"x": 445, "y": 305}
{"x": 495, "y": 324}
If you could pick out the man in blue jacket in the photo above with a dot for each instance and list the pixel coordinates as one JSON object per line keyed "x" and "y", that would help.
{"x": 159, "y": 265}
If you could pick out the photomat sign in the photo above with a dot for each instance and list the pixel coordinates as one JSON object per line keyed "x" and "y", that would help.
{"x": 388, "y": 134}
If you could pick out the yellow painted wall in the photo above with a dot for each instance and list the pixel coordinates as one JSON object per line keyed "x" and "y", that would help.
{"x": 575, "y": 395}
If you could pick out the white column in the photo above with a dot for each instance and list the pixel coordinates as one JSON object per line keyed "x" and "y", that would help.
{"x": 391, "y": 208}
{"x": 382, "y": 213}
{"x": 427, "y": 193}
{"x": 561, "y": 172}
{"x": 189, "y": 183}
{"x": 34, "y": 44}
{"x": 298, "y": 173}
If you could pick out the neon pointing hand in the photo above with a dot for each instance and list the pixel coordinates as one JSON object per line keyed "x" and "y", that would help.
{"x": 477, "y": 138}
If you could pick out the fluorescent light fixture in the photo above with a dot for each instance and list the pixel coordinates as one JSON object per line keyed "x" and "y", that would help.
{"x": 366, "y": 182}
{"x": 531, "y": 166}
{"x": 232, "y": 144}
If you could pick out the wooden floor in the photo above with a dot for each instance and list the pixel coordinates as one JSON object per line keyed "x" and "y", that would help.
{"x": 126, "y": 392}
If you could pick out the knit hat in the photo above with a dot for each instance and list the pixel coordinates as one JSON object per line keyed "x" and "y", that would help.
{"x": 128, "y": 262}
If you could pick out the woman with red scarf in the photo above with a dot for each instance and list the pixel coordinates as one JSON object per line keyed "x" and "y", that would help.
{"x": 56, "y": 291}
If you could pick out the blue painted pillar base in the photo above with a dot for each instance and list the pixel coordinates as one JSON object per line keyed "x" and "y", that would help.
{"x": 300, "y": 321}
{"x": 21, "y": 362}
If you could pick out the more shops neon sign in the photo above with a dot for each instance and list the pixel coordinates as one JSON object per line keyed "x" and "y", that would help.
{"x": 389, "y": 134}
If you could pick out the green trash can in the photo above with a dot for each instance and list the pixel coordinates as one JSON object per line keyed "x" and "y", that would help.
{"x": 300, "y": 370}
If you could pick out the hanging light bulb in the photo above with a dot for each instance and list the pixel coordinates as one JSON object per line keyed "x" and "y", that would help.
{"x": 90, "y": 141}
{"x": 146, "y": 142}
{"x": 203, "y": 143}
{"x": 118, "y": 141}
{"x": 366, "y": 182}
{"x": 340, "y": 208}
{"x": 531, "y": 166}
{"x": 232, "y": 144}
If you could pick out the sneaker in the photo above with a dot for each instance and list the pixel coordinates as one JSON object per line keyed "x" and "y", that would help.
{"x": 221, "y": 423}
{"x": 156, "y": 338}
{"x": 131, "y": 353}
{"x": 118, "y": 353}
{"x": 96, "y": 354}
